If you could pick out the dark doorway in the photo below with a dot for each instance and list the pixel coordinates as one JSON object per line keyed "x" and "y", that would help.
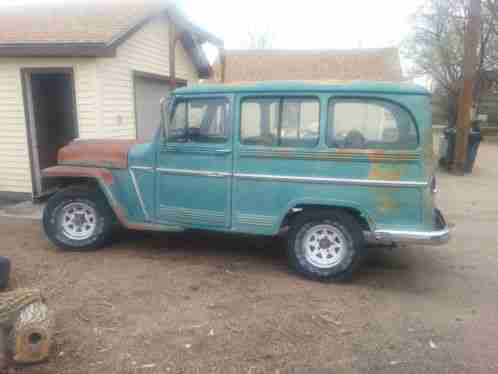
{"x": 51, "y": 119}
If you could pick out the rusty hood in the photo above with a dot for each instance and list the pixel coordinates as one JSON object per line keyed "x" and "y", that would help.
{"x": 97, "y": 153}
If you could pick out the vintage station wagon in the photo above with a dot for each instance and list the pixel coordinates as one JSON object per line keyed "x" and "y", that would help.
{"x": 327, "y": 165}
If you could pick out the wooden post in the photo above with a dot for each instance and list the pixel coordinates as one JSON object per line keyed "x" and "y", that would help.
{"x": 466, "y": 98}
{"x": 172, "y": 54}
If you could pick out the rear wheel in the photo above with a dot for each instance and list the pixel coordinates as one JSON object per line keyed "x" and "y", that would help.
{"x": 78, "y": 219}
{"x": 325, "y": 245}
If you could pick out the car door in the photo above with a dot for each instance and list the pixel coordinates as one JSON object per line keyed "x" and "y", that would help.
{"x": 195, "y": 164}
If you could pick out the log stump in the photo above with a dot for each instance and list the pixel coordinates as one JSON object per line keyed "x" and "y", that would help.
{"x": 31, "y": 335}
{"x": 26, "y": 326}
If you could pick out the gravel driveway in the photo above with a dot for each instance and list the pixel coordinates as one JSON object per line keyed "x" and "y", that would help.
{"x": 203, "y": 303}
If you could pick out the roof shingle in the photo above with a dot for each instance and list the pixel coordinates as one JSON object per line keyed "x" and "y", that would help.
{"x": 85, "y": 22}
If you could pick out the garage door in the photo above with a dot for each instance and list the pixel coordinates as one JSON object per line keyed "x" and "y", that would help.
{"x": 148, "y": 95}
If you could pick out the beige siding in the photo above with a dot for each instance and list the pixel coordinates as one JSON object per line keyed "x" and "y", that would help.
{"x": 146, "y": 51}
{"x": 104, "y": 95}
{"x": 14, "y": 156}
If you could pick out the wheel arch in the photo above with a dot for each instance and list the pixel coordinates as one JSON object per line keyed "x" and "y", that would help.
{"x": 99, "y": 177}
{"x": 296, "y": 207}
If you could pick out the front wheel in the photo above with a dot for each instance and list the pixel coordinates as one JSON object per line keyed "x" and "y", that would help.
{"x": 325, "y": 245}
{"x": 78, "y": 219}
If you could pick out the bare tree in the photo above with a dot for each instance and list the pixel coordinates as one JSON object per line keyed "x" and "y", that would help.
{"x": 436, "y": 48}
{"x": 260, "y": 40}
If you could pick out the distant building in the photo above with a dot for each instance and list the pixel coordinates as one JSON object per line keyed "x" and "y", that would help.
{"x": 313, "y": 65}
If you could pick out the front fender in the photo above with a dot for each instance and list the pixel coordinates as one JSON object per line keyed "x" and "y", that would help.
{"x": 103, "y": 176}
{"x": 111, "y": 187}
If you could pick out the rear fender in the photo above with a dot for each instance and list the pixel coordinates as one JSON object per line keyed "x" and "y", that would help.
{"x": 302, "y": 204}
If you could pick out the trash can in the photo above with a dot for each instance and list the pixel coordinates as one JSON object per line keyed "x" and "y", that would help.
{"x": 447, "y": 147}
{"x": 4, "y": 272}
{"x": 475, "y": 139}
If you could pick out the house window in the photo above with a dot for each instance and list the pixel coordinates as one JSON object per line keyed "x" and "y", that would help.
{"x": 285, "y": 122}
{"x": 200, "y": 121}
{"x": 370, "y": 124}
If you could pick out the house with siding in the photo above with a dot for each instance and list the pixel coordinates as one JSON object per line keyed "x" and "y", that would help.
{"x": 87, "y": 70}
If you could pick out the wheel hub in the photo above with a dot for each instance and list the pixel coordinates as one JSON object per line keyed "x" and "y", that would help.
{"x": 78, "y": 221}
{"x": 324, "y": 246}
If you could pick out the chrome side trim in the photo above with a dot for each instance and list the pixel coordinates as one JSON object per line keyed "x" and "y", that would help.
{"x": 139, "y": 195}
{"x": 142, "y": 168}
{"x": 340, "y": 181}
{"x": 286, "y": 178}
{"x": 201, "y": 173}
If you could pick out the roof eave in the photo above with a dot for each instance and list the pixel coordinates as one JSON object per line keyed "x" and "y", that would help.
{"x": 56, "y": 50}
{"x": 192, "y": 38}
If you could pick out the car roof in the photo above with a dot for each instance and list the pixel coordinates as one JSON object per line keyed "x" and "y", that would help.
{"x": 304, "y": 87}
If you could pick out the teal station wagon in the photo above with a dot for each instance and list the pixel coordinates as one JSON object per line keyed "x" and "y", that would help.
{"x": 327, "y": 165}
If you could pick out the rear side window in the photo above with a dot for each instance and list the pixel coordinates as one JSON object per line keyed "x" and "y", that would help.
{"x": 285, "y": 122}
{"x": 370, "y": 124}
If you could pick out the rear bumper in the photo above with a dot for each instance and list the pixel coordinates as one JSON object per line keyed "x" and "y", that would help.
{"x": 439, "y": 235}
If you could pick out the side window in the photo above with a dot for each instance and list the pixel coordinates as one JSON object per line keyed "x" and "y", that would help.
{"x": 286, "y": 122}
{"x": 200, "y": 121}
{"x": 259, "y": 122}
{"x": 370, "y": 124}
{"x": 300, "y": 122}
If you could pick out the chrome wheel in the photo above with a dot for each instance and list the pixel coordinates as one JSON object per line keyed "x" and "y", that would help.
{"x": 78, "y": 221}
{"x": 324, "y": 246}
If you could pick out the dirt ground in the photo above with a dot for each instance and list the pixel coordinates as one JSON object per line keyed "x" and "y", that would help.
{"x": 203, "y": 303}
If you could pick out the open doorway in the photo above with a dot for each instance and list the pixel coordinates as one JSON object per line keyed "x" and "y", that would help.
{"x": 51, "y": 119}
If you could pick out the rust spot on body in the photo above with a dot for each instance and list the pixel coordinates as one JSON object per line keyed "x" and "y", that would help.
{"x": 78, "y": 171}
{"x": 385, "y": 197}
{"x": 388, "y": 172}
{"x": 98, "y": 153}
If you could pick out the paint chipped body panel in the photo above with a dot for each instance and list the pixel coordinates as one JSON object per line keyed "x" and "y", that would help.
{"x": 96, "y": 153}
{"x": 234, "y": 187}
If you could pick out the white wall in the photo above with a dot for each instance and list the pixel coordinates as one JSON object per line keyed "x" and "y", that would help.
{"x": 146, "y": 51}
{"x": 14, "y": 157}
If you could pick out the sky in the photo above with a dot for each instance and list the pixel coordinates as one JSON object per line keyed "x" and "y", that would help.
{"x": 310, "y": 24}
{"x": 292, "y": 24}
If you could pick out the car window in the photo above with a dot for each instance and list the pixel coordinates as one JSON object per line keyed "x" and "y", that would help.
{"x": 200, "y": 120}
{"x": 259, "y": 119}
{"x": 370, "y": 124}
{"x": 286, "y": 122}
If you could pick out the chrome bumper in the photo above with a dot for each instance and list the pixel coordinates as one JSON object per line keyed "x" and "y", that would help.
{"x": 440, "y": 234}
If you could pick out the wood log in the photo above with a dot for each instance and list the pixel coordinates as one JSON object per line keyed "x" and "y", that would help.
{"x": 26, "y": 326}
{"x": 11, "y": 304}
{"x": 32, "y": 333}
